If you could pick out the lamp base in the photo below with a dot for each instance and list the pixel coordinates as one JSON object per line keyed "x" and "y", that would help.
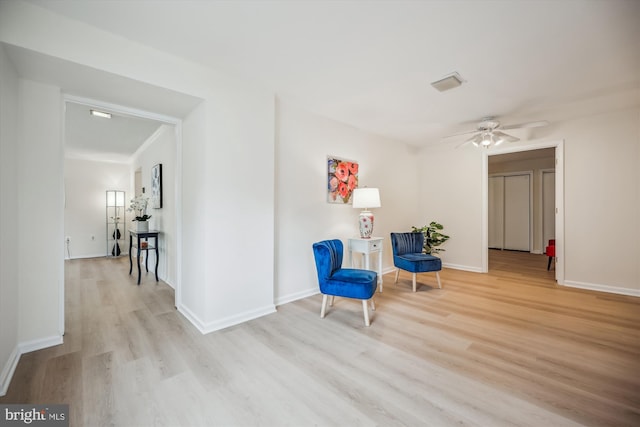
{"x": 365, "y": 221}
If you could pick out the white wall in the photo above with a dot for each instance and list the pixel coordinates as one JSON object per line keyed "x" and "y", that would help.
{"x": 450, "y": 192}
{"x": 602, "y": 200}
{"x": 303, "y": 215}
{"x": 85, "y": 184}
{"x": 228, "y": 164}
{"x": 160, "y": 149}
{"x": 40, "y": 213}
{"x": 9, "y": 256}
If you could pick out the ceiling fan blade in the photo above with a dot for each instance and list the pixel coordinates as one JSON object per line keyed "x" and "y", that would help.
{"x": 503, "y": 137}
{"x": 475, "y": 139}
{"x": 461, "y": 133}
{"x": 537, "y": 124}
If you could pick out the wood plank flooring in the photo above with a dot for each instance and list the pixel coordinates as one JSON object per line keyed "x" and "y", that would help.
{"x": 505, "y": 348}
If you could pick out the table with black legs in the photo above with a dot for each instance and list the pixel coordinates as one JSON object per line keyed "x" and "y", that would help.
{"x": 142, "y": 243}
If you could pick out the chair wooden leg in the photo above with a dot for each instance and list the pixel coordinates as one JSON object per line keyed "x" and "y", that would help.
{"x": 397, "y": 274}
{"x": 331, "y": 301}
{"x": 324, "y": 306}
{"x": 549, "y": 264}
{"x": 438, "y": 277}
{"x": 414, "y": 282}
{"x": 373, "y": 304}
{"x": 366, "y": 312}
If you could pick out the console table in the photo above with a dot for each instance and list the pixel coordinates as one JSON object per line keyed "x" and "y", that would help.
{"x": 142, "y": 243}
{"x": 367, "y": 247}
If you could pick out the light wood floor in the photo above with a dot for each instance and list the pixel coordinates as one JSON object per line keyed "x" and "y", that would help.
{"x": 504, "y": 348}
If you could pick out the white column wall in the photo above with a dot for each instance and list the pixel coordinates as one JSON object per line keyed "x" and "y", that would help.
{"x": 40, "y": 213}
{"x": 9, "y": 255}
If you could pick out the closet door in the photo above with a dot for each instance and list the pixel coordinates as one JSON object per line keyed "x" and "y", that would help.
{"x": 496, "y": 212}
{"x": 516, "y": 212}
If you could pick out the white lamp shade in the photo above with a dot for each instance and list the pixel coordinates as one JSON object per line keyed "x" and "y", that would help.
{"x": 364, "y": 198}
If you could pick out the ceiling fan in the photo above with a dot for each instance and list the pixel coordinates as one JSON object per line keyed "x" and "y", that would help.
{"x": 487, "y": 135}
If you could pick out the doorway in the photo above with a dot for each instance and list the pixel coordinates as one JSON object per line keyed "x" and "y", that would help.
{"x": 169, "y": 130}
{"x": 541, "y": 214}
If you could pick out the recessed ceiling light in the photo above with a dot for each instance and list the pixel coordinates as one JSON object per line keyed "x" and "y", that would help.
{"x": 450, "y": 81}
{"x": 100, "y": 114}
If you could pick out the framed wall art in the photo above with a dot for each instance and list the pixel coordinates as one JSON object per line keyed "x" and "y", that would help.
{"x": 156, "y": 186}
{"x": 342, "y": 179}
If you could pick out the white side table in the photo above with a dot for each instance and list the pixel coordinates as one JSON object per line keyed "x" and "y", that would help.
{"x": 367, "y": 247}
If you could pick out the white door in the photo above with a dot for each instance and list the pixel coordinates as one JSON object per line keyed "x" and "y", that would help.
{"x": 517, "y": 212}
{"x": 496, "y": 212}
{"x": 548, "y": 207}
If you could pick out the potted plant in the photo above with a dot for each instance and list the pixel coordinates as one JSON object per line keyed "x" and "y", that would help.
{"x": 432, "y": 237}
{"x": 139, "y": 206}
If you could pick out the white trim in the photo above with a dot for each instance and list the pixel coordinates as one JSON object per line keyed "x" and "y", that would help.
{"x": 602, "y": 288}
{"x": 297, "y": 296}
{"x": 472, "y": 269}
{"x": 208, "y": 327}
{"x": 9, "y": 369}
{"x": 543, "y": 244}
{"x": 24, "y": 347}
{"x": 39, "y": 344}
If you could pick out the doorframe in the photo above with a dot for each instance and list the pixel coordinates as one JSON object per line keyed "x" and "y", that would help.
{"x": 559, "y": 148}
{"x": 541, "y": 212}
{"x": 177, "y": 125}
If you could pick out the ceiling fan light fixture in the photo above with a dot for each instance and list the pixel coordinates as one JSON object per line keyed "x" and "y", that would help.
{"x": 448, "y": 82}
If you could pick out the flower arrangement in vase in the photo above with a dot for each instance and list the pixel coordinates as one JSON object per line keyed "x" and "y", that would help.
{"x": 139, "y": 207}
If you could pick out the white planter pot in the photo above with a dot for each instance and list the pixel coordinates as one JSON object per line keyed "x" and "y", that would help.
{"x": 142, "y": 225}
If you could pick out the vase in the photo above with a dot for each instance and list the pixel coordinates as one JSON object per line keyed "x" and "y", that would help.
{"x": 142, "y": 226}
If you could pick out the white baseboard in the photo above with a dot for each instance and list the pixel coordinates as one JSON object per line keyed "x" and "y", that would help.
{"x": 297, "y": 296}
{"x": 462, "y": 267}
{"x": 7, "y": 371}
{"x": 602, "y": 288}
{"x": 24, "y": 347}
{"x": 39, "y": 344}
{"x": 207, "y": 327}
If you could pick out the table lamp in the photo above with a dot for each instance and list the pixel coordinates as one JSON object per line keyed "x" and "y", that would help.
{"x": 366, "y": 198}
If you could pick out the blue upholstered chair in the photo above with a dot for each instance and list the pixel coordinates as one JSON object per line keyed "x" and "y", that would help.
{"x": 407, "y": 255}
{"x": 342, "y": 282}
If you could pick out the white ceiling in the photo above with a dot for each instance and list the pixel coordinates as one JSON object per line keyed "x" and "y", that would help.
{"x": 369, "y": 63}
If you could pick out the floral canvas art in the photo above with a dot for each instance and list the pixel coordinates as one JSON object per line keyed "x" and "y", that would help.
{"x": 342, "y": 179}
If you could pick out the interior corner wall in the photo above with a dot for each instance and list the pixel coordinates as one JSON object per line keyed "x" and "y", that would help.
{"x": 9, "y": 271}
{"x": 85, "y": 186}
{"x": 40, "y": 211}
{"x": 160, "y": 149}
{"x": 303, "y": 215}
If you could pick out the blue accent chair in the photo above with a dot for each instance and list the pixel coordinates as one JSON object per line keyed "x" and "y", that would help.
{"x": 408, "y": 256}
{"x": 342, "y": 282}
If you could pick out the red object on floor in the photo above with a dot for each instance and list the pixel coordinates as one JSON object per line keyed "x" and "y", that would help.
{"x": 551, "y": 251}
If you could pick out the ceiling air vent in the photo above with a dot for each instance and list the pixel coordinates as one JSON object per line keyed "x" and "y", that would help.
{"x": 451, "y": 81}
